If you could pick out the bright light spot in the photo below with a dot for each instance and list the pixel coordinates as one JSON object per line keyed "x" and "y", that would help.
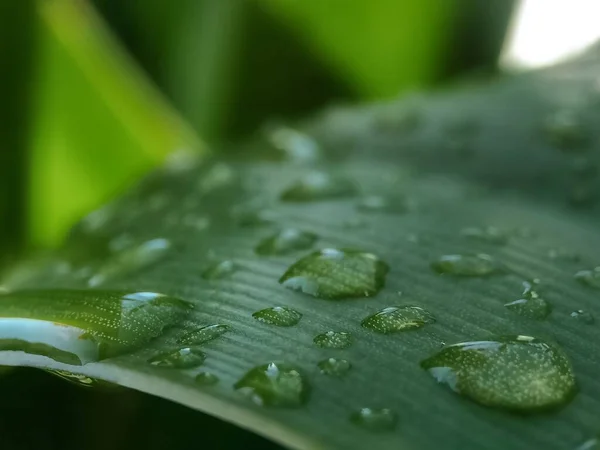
{"x": 544, "y": 32}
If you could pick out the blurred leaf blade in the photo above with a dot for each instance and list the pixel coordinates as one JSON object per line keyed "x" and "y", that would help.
{"x": 90, "y": 95}
{"x": 488, "y": 186}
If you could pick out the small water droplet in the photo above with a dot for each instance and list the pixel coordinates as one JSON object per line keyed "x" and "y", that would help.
{"x": 218, "y": 270}
{"x": 564, "y": 130}
{"x": 286, "y": 241}
{"x": 298, "y": 147}
{"x": 490, "y": 234}
{"x": 319, "y": 186}
{"x": 335, "y": 274}
{"x": 466, "y": 265}
{"x": 375, "y": 419}
{"x": 394, "y": 319}
{"x": 590, "y": 278}
{"x": 278, "y": 315}
{"x": 206, "y": 379}
{"x": 246, "y": 216}
{"x": 183, "y": 358}
{"x": 590, "y": 444}
{"x": 76, "y": 327}
{"x": 378, "y": 203}
{"x": 203, "y": 334}
{"x": 531, "y": 305}
{"x": 131, "y": 260}
{"x": 334, "y": 367}
{"x": 510, "y": 372}
{"x": 333, "y": 339}
{"x": 77, "y": 378}
{"x": 274, "y": 384}
{"x": 583, "y": 316}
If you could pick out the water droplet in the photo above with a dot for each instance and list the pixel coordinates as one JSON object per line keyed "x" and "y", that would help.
{"x": 564, "y": 130}
{"x": 590, "y": 444}
{"x": 206, "y": 379}
{"x": 286, "y": 241}
{"x": 76, "y": 327}
{"x": 218, "y": 176}
{"x": 583, "y": 316}
{"x": 298, "y": 147}
{"x": 564, "y": 254}
{"x": 334, "y": 367}
{"x": 466, "y": 265}
{"x": 274, "y": 384}
{"x": 77, "y": 378}
{"x": 222, "y": 269}
{"x": 531, "y": 305}
{"x": 336, "y": 274}
{"x": 246, "y": 216}
{"x": 511, "y": 372}
{"x": 375, "y": 419}
{"x": 333, "y": 339}
{"x": 203, "y": 334}
{"x": 278, "y": 315}
{"x": 131, "y": 260}
{"x": 590, "y": 278}
{"x": 492, "y": 235}
{"x": 319, "y": 186}
{"x": 378, "y": 203}
{"x": 394, "y": 319}
{"x": 183, "y": 358}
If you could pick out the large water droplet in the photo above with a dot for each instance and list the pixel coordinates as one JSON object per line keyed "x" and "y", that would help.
{"x": 590, "y": 278}
{"x": 76, "y": 327}
{"x": 216, "y": 271}
{"x": 564, "y": 130}
{"x": 511, "y": 372}
{"x": 333, "y": 339}
{"x": 336, "y": 274}
{"x": 206, "y": 379}
{"x": 466, "y": 265}
{"x": 531, "y": 305}
{"x": 182, "y": 358}
{"x": 131, "y": 260}
{"x": 203, "y": 334}
{"x": 334, "y": 367}
{"x": 297, "y": 146}
{"x": 378, "y": 203}
{"x": 274, "y": 384}
{"x": 394, "y": 319}
{"x": 278, "y": 315}
{"x": 375, "y": 419}
{"x": 286, "y": 241}
{"x": 492, "y": 235}
{"x": 583, "y": 316}
{"x": 319, "y": 186}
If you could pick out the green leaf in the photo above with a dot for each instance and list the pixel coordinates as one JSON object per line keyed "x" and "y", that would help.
{"x": 479, "y": 163}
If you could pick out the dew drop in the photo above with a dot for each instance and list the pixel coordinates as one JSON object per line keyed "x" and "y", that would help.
{"x": 131, "y": 260}
{"x": 248, "y": 217}
{"x": 492, "y": 235}
{"x": 479, "y": 265}
{"x": 375, "y": 419}
{"x": 203, "y": 334}
{"x": 75, "y": 327}
{"x": 583, "y": 316}
{"x": 274, "y": 384}
{"x": 334, "y": 367}
{"x": 183, "y": 358}
{"x": 590, "y": 278}
{"x": 333, "y": 339}
{"x": 278, "y": 315}
{"x": 377, "y": 203}
{"x": 206, "y": 379}
{"x": 286, "y": 241}
{"x": 219, "y": 270}
{"x": 564, "y": 130}
{"x": 319, "y": 186}
{"x": 511, "y": 372}
{"x": 531, "y": 305}
{"x": 394, "y": 319}
{"x": 335, "y": 274}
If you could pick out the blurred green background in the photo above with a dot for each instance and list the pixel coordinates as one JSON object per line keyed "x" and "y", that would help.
{"x": 96, "y": 93}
